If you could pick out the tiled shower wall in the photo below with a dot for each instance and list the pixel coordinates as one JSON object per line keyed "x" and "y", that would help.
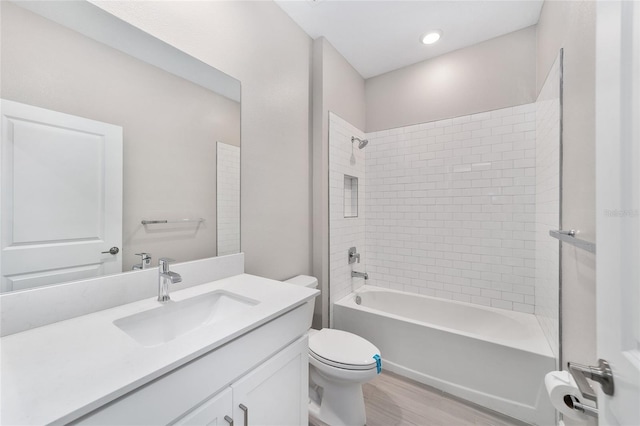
{"x": 345, "y": 159}
{"x": 548, "y": 205}
{"x": 450, "y": 208}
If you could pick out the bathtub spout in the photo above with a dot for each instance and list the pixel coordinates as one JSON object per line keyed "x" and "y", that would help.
{"x": 355, "y": 274}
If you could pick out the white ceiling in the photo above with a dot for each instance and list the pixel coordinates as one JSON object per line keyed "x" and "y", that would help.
{"x": 381, "y": 36}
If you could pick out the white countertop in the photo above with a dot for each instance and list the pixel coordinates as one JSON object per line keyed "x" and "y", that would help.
{"x": 58, "y": 372}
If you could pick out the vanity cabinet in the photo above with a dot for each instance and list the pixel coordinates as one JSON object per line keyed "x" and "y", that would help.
{"x": 89, "y": 370}
{"x": 272, "y": 394}
{"x": 265, "y": 370}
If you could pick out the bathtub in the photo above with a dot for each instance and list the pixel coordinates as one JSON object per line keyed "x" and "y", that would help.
{"x": 491, "y": 357}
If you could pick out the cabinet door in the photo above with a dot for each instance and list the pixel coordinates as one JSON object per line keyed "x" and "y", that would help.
{"x": 277, "y": 392}
{"x": 211, "y": 412}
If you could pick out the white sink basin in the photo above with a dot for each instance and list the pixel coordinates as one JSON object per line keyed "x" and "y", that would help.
{"x": 174, "y": 319}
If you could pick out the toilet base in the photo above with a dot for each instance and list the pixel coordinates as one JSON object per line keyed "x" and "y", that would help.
{"x": 341, "y": 403}
{"x": 345, "y": 409}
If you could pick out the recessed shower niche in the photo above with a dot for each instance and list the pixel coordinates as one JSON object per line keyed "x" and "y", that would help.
{"x": 350, "y": 196}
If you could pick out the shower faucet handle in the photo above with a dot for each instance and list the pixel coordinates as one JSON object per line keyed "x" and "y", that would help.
{"x": 353, "y": 256}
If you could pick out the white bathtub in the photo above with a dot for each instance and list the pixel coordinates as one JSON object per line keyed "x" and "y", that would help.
{"x": 491, "y": 357}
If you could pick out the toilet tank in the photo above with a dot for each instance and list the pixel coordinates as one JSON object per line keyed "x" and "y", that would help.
{"x": 306, "y": 281}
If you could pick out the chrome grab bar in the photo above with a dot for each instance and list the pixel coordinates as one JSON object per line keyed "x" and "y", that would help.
{"x": 157, "y": 221}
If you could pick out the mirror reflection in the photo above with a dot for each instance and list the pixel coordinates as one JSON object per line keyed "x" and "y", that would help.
{"x": 106, "y": 158}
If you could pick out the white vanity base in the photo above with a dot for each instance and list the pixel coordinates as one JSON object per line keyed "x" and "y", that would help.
{"x": 87, "y": 370}
{"x": 271, "y": 387}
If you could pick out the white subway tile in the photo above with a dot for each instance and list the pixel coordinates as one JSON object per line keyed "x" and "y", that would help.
{"x": 449, "y": 210}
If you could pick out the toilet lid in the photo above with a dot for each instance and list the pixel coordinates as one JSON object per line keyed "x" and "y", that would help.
{"x": 342, "y": 349}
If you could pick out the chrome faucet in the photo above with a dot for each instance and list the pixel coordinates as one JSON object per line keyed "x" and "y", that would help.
{"x": 355, "y": 274}
{"x": 165, "y": 278}
{"x": 145, "y": 261}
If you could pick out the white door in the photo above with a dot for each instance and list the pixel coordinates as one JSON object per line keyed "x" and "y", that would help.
{"x": 618, "y": 206}
{"x": 60, "y": 197}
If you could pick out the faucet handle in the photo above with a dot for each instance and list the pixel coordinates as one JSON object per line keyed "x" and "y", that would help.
{"x": 145, "y": 261}
{"x": 145, "y": 258}
{"x": 163, "y": 263}
{"x": 353, "y": 256}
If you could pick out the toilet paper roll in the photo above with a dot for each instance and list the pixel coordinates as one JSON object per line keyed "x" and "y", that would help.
{"x": 561, "y": 384}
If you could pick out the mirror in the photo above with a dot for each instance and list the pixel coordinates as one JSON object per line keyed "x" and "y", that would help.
{"x": 113, "y": 144}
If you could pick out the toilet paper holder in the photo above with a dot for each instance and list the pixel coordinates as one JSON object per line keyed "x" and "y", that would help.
{"x": 600, "y": 373}
{"x": 575, "y": 404}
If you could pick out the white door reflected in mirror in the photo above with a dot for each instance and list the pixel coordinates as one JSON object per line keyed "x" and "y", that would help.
{"x": 61, "y": 199}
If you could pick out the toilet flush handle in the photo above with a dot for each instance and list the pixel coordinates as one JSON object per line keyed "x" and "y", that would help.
{"x": 378, "y": 363}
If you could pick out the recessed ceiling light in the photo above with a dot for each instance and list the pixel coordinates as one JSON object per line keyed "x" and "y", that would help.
{"x": 431, "y": 37}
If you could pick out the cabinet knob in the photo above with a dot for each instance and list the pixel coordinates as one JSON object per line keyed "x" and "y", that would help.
{"x": 229, "y": 420}
{"x": 246, "y": 414}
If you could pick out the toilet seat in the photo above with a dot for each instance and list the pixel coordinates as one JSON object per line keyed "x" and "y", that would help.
{"x": 342, "y": 349}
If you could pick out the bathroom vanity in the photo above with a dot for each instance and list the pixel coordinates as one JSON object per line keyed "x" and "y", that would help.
{"x": 217, "y": 351}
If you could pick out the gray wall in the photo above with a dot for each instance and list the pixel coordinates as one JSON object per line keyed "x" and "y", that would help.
{"x": 572, "y": 25}
{"x": 170, "y": 127}
{"x": 339, "y": 88}
{"x": 258, "y": 44}
{"x": 274, "y": 67}
{"x": 490, "y": 75}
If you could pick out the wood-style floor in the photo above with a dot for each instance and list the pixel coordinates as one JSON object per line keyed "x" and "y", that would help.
{"x": 392, "y": 400}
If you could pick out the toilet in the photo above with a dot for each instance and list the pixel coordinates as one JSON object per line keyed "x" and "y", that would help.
{"x": 339, "y": 363}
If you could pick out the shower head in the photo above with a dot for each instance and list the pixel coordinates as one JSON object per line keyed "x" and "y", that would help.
{"x": 361, "y": 142}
